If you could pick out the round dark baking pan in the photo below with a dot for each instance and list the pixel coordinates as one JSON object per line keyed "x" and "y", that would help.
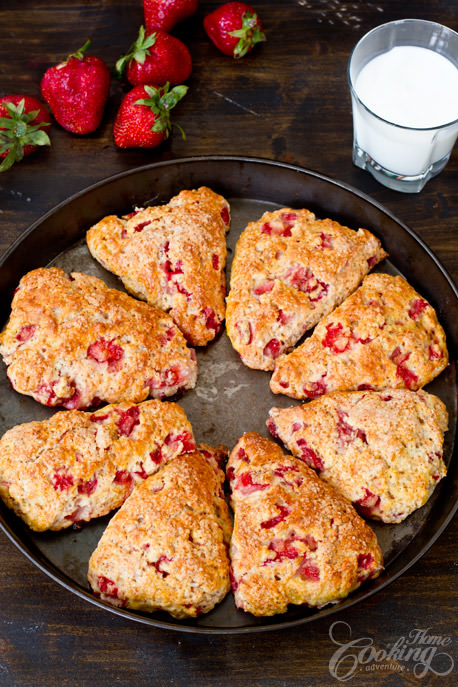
{"x": 229, "y": 398}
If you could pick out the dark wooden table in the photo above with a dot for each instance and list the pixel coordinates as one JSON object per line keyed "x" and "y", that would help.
{"x": 286, "y": 101}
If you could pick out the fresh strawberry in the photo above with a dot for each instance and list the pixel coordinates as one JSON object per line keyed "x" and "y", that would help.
{"x": 164, "y": 14}
{"x": 76, "y": 91}
{"x": 156, "y": 57}
{"x": 22, "y": 119}
{"x": 234, "y": 28}
{"x": 143, "y": 120}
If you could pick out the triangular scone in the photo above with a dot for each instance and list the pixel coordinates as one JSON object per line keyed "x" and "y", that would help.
{"x": 290, "y": 270}
{"x": 77, "y": 466}
{"x": 383, "y": 336}
{"x": 380, "y": 449}
{"x": 167, "y": 547}
{"x": 73, "y": 342}
{"x": 296, "y": 540}
{"x": 172, "y": 256}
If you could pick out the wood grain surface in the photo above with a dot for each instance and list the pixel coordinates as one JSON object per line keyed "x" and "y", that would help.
{"x": 287, "y": 100}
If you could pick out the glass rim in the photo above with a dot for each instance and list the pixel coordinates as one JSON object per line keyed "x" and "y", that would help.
{"x": 355, "y": 94}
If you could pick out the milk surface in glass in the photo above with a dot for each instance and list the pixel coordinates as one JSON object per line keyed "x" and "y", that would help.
{"x": 414, "y": 88}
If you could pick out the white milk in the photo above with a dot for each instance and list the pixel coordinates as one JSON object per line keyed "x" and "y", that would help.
{"x": 411, "y": 87}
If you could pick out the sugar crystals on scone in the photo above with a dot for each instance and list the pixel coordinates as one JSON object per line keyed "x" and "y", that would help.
{"x": 381, "y": 449}
{"x": 167, "y": 547}
{"x": 290, "y": 269}
{"x": 172, "y": 256}
{"x": 296, "y": 540}
{"x": 73, "y": 342}
{"x": 76, "y": 466}
{"x": 385, "y": 335}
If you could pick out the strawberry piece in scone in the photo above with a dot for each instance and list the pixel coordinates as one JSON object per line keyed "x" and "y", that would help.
{"x": 73, "y": 342}
{"x": 167, "y": 547}
{"x": 290, "y": 270}
{"x": 381, "y": 449}
{"x": 383, "y": 336}
{"x": 172, "y": 256}
{"x": 76, "y": 466}
{"x": 296, "y": 540}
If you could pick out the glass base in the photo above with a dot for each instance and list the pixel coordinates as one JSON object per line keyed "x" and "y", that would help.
{"x": 397, "y": 182}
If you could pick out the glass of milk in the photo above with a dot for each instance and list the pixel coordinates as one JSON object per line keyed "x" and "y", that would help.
{"x": 403, "y": 79}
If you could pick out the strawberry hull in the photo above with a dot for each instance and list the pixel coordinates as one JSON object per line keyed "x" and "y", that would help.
{"x": 31, "y": 118}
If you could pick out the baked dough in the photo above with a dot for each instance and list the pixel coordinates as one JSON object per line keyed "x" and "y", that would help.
{"x": 172, "y": 256}
{"x": 77, "y": 466}
{"x": 383, "y": 336}
{"x": 296, "y": 540}
{"x": 380, "y": 449}
{"x": 73, "y": 342}
{"x": 167, "y": 547}
{"x": 290, "y": 270}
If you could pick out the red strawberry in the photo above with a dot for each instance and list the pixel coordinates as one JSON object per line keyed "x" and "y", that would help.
{"x": 156, "y": 58}
{"x": 22, "y": 119}
{"x": 76, "y": 91}
{"x": 234, "y": 28}
{"x": 164, "y": 14}
{"x": 143, "y": 120}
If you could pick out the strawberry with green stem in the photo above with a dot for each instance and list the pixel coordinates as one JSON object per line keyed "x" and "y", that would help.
{"x": 76, "y": 90}
{"x": 143, "y": 119}
{"x": 156, "y": 57}
{"x": 22, "y": 118}
{"x": 234, "y": 28}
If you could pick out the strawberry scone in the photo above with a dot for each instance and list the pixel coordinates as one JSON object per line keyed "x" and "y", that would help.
{"x": 383, "y": 336}
{"x": 77, "y": 466}
{"x": 381, "y": 449}
{"x": 167, "y": 547}
{"x": 172, "y": 256}
{"x": 290, "y": 269}
{"x": 296, "y": 540}
{"x": 73, "y": 342}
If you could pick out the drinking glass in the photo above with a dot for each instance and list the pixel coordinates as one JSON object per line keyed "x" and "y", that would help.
{"x": 401, "y": 157}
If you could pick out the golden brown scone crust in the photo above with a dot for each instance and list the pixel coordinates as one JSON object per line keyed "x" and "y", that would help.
{"x": 383, "y": 336}
{"x": 71, "y": 341}
{"x": 296, "y": 540}
{"x": 172, "y": 256}
{"x": 380, "y": 449}
{"x": 289, "y": 270}
{"x": 167, "y": 547}
{"x": 77, "y": 466}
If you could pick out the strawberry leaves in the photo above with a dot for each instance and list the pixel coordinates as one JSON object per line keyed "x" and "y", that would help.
{"x": 160, "y": 102}
{"x": 17, "y": 132}
{"x": 249, "y": 34}
{"x": 138, "y": 51}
